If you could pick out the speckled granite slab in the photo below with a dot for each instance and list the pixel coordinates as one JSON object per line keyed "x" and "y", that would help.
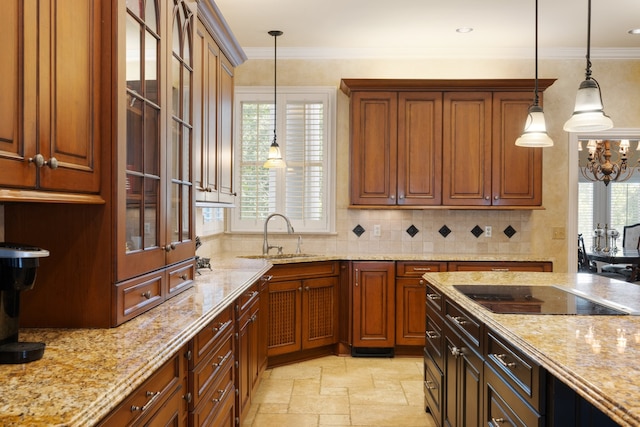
{"x": 597, "y": 356}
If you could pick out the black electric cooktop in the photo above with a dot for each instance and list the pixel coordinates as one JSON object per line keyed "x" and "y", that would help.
{"x": 517, "y": 299}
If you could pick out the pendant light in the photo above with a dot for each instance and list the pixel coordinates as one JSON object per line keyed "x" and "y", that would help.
{"x": 535, "y": 129}
{"x": 588, "y": 114}
{"x": 274, "y": 159}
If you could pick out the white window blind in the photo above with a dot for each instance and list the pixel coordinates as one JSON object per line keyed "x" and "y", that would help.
{"x": 303, "y": 191}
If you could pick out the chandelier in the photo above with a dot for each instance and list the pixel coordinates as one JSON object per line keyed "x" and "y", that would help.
{"x": 599, "y": 166}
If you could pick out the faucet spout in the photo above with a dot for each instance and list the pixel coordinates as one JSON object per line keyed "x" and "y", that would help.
{"x": 265, "y": 241}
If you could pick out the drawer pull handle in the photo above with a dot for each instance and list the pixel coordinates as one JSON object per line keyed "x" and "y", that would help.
{"x": 220, "y": 326}
{"x": 499, "y": 269}
{"x": 433, "y": 297}
{"x": 147, "y": 294}
{"x": 459, "y": 320}
{"x": 455, "y": 351}
{"x": 184, "y": 277}
{"x": 432, "y": 335}
{"x": 267, "y": 278}
{"x": 422, "y": 269}
{"x": 501, "y": 358}
{"x": 222, "y": 360}
{"x": 222, "y": 393}
{"x": 497, "y": 421}
{"x": 430, "y": 385}
{"x": 150, "y": 394}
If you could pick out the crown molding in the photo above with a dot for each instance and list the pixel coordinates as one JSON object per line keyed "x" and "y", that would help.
{"x": 440, "y": 53}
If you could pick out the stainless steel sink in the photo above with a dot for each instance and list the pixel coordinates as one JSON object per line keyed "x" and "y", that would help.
{"x": 278, "y": 256}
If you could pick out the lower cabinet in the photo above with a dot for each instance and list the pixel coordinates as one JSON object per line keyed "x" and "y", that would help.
{"x": 248, "y": 343}
{"x": 303, "y": 307}
{"x": 411, "y": 299}
{"x": 160, "y": 400}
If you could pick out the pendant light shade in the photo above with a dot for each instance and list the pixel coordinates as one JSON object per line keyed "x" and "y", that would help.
{"x": 588, "y": 113}
{"x": 535, "y": 128}
{"x": 274, "y": 158}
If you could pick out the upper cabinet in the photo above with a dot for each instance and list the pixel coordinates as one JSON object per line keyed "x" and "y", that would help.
{"x": 428, "y": 143}
{"x": 50, "y": 125}
{"x": 213, "y": 136}
{"x": 112, "y": 261}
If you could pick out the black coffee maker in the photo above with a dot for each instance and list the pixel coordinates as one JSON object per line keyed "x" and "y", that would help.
{"x": 18, "y": 265}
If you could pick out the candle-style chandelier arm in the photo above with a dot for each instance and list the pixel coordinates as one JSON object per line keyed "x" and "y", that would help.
{"x": 599, "y": 166}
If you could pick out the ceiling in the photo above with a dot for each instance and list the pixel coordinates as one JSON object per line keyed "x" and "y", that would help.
{"x": 427, "y": 28}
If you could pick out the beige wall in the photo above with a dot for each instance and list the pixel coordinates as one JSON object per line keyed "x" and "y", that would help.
{"x": 619, "y": 79}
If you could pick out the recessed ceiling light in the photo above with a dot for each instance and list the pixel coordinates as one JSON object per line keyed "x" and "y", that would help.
{"x": 634, "y": 31}
{"x": 464, "y": 30}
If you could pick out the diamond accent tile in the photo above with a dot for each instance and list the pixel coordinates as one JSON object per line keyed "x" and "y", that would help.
{"x": 509, "y": 231}
{"x": 444, "y": 231}
{"x": 412, "y": 231}
{"x": 358, "y": 230}
{"x": 477, "y": 231}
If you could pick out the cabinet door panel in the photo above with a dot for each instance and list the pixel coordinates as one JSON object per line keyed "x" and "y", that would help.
{"x": 467, "y": 148}
{"x": 69, "y": 64}
{"x": 374, "y": 148}
{"x": 320, "y": 310}
{"x": 419, "y": 148}
{"x": 225, "y": 153}
{"x": 410, "y": 311}
{"x": 517, "y": 171}
{"x": 285, "y": 317}
{"x": 373, "y": 304}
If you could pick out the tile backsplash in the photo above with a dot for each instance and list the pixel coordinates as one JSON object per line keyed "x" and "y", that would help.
{"x": 400, "y": 232}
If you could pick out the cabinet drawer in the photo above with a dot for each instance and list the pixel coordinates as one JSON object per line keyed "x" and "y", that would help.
{"x": 434, "y": 298}
{"x": 149, "y": 396}
{"x": 206, "y": 374}
{"x": 500, "y": 266}
{"x": 434, "y": 340}
{"x": 504, "y": 407}
{"x": 247, "y": 298}
{"x": 218, "y": 397}
{"x": 433, "y": 390}
{"x": 181, "y": 277}
{"x": 211, "y": 335}
{"x": 304, "y": 270}
{"x": 464, "y": 323}
{"x": 516, "y": 369}
{"x": 138, "y": 295}
{"x": 418, "y": 268}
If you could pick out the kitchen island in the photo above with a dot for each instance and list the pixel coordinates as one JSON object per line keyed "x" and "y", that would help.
{"x": 598, "y": 357}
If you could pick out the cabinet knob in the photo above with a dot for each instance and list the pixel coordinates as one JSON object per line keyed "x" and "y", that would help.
{"x": 430, "y": 385}
{"x": 486, "y": 197}
{"x": 502, "y": 359}
{"x": 497, "y": 421}
{"x": 52, "y": 163}
{"x": 184, "y": 277}
{"x": 455, "y": 351}
{"x": 433, "y": 297}
{"x": 495, "y": 197}
{"x": 37, "y": 160}
{"x": 147, "y": 294}
{"x": 169, "y": 247}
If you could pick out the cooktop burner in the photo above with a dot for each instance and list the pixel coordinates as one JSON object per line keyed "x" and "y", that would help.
{"x": 517, "y": 299}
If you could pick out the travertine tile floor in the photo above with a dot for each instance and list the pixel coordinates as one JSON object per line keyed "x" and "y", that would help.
{"x": 342, "y": 391}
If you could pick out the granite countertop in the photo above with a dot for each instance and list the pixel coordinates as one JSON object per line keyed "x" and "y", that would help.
{"x": 597, "y": 356}
{"x": 85, "y": 373}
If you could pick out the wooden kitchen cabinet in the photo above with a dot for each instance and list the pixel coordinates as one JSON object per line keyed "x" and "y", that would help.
{"x": 482, "y": 164}
{"x": 303, "y": 308}
{"x": 249, "y": 317}
{"x": 411, "y": 300}
{"x": 396, "y": 147}
{"x": 442, "y": 143}
{"x": 373, "y": 304}
{"x": 145, "y": 226}
{"x": 213, "y": 132}
{"x": 50, "y": 110}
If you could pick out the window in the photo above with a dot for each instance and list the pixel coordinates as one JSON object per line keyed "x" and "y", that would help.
{"x": 304, "y": 190}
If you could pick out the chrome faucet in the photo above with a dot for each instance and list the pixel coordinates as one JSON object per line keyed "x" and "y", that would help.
{"x": 265, "y": 243}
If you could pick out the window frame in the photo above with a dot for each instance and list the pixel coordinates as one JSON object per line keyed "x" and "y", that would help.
{"x": 324, "y": 94}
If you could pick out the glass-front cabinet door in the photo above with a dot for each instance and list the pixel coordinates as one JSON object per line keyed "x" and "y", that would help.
{"x": 158, "y": 212}
{"x": 179, "y": 224}
{"x": 143, "y": 182}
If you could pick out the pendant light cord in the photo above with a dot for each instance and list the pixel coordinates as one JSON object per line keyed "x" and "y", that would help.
{"x": 275, "y": 34}
{"x": 536, "y": 99}
{"x": 588, "y": 70}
